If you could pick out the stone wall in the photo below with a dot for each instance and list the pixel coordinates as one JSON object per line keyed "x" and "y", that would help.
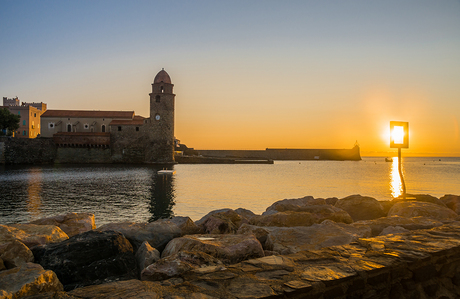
{"x": 83, "y": 155}
{"x": 27, "y": 151}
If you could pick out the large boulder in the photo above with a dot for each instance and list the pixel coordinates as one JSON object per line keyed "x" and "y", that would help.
{"x": 286, "y": 240}
{"x": 452, "y": 202}
{"x": 225, "y": 221}
{"x": 425, "y": 209}
{"x": 230, "y": 249}
{"x": 157, "y": 233}
{"x": 260, "y": 233}
{"x": 293, "y": 204}
{"x": 72, "y": 223}
{"x": 361, "y": 207}
{"x": 88, "y": 258}
{"x": 186, "y": 225}
{"x": 304, "y": 216}
{"x": 15, "y": 253}
{"x": 177, "y": 264}
{"x": 412, "y": 223}
{"x": 146, "y": 255}
{"x": 27, "y": 280}
{"x": 31, "y": 234}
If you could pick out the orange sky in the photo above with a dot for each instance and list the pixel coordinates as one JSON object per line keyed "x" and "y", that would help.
{"x": 306, "y": 74}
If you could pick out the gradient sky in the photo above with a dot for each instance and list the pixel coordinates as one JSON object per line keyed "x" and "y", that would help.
{"x": 248, "y": 74}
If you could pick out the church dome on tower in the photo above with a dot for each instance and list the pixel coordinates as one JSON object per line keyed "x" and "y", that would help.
{"x": 162, "y": 76}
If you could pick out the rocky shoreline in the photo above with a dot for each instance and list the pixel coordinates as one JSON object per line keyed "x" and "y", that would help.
{"x": 353, "y": 247}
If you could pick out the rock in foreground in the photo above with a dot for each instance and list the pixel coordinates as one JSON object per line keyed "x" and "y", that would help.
{"x": 89, "y": 258}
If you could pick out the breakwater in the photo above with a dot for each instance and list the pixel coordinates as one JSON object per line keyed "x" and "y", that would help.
{"x": 353, "y": 247}
{"x": 287, "y": 154}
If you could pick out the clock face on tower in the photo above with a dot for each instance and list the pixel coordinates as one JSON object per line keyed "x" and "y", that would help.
{"x": 157, "y": 117}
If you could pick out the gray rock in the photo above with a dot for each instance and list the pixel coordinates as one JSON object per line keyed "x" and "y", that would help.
{"x": 157, "y": 233}
{"x": 286, "y": 240}
{"x": 293, "y": 204}
{"x": 146, "y": 255}
{"x": 304, "y": 216}
{"x": 361, "y": 207}
{"x": 177, "y": 264}
{"x": 425, "y": 209}
{"x": 229, "y": 249}
{"x": 221, "y": 222}
{"x": 412, "y": 223}
{"x": 15, "y": 253}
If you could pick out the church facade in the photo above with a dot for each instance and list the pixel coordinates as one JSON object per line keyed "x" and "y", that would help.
{"x": 129, "y": 137}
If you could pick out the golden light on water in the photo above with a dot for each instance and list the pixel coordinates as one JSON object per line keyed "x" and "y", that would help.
{"x": 33, "y": 192}
{"x": 395, "y": 180}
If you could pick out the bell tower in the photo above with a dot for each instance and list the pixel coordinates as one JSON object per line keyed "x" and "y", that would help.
{"x": 160, "y": 147}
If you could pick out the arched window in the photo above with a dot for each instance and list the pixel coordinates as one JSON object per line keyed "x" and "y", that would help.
{"x": 103, "y": 128}
{"x": 162, "y": 89}
{"x": 157, "y": 99}
{"x": 69, "y": 128}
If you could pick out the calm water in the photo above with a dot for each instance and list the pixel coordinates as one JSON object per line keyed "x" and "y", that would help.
{"x": 136, "y": 193}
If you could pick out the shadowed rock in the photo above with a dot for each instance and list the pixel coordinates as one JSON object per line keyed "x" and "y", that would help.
{"x": 361, "y": 207}
{"x": 88, "y": 258}
{"x": 221, "y": 222}
{"x": 27, "y": 280}
{"x": 72, "y": 223}
{"x": 425, "y": 209}
{"x": 15, "y": 253}
{"x": 229, "y": 249}
{"x": 452, "y": 202}
{"x": 157, "y": 233}
{"x": 260, "y": 233}
{"x": 120, "y": 289}
{"x": 293, "y": 204}
{"x": 146, "y": 255}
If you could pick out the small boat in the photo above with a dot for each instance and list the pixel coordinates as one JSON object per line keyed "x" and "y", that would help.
{"x": 166, "y": 172}
{"x": 388, "y": 159}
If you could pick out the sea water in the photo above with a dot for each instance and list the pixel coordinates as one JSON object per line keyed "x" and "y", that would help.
{"x": 116, "y": 193}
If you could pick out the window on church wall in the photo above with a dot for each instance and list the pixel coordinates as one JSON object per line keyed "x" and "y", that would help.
{"x": 162, "y": 89}
{"x": 137, "y": 129}
{"x": 86, "y": 126}
{"x": 103, "y": 128}
{"x": 69, "y": 128}
{"x": 50, "y": 125}
{"x": 119, "y": 129}
{"x": 157, "y": 99}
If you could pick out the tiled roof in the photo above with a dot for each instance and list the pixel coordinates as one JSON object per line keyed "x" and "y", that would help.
{"x": 89, "y": 114}
{"x": 137, "y": 121}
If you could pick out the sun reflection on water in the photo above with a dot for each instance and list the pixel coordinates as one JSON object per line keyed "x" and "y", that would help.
{"x": 395, "y": 180}
{"x": 33, "y": 192}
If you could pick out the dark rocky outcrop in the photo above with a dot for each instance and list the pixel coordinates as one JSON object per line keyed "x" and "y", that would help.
{"x": 225, "y": 221}
{"x": 157, "y": 233}
{"x": 452, "y": 202}
{"x": 89, "y": 258}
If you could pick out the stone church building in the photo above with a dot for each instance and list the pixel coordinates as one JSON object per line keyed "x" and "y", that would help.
{"x": 129, "y": 137}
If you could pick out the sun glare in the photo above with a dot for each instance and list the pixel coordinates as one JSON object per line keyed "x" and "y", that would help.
{"x": 398, "y": 135}
{"x": 395, "y": 180}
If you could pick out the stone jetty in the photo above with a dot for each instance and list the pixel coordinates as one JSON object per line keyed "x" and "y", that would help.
{"x": 352, "y": 247}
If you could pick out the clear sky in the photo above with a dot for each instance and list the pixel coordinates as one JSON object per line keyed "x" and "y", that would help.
{"x": 248, "y": 74}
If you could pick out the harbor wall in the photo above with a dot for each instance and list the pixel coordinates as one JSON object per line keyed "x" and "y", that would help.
{"x": 287, "y": 154}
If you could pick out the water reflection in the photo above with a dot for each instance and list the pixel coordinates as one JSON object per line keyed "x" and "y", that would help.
{"x": 395, "y": 180}
{"x": 162, "y": 197}
{"x": 34, "y": 188}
